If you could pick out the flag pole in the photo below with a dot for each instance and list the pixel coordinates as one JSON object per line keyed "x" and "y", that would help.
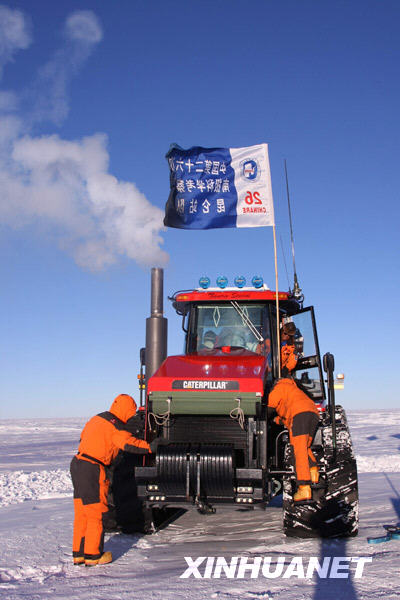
{"x": 277, "y": 302}
{"x": 269, "y": 187}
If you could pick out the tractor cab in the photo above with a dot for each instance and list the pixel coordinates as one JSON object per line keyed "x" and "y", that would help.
{"x": 241, "y": 324}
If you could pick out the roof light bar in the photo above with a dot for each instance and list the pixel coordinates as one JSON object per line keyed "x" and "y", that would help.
{"x": 240, "y": 281}
{"x": 222, "y": 281}
{"x": 257, "y": 281}
{"x": 204, "y": 282}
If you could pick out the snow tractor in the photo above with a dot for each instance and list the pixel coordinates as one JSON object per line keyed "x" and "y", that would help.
{"x": 219, "y": 444}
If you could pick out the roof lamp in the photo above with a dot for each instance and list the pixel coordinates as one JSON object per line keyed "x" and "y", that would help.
{"x": 222, "y": 281}
{"x": 257, "y": 281}
{"x": 240, "y": 281}
{"x": 204, "y": 282}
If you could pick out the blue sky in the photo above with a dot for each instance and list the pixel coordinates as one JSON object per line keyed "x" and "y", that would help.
{"x": 91, "y": 96}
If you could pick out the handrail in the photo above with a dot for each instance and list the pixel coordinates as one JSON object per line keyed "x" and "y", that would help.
{"x": 329, "y": 366}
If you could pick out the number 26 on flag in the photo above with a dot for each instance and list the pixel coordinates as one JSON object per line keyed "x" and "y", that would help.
{"x": 253, "y": 198}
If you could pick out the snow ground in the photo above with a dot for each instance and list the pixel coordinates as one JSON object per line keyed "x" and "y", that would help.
{"x": 36, "y": 525}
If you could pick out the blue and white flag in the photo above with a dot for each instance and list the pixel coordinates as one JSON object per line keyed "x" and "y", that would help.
{"x": 219, "y": 187}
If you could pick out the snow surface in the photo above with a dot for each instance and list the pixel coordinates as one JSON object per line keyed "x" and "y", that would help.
{"x": 36, "y": 527}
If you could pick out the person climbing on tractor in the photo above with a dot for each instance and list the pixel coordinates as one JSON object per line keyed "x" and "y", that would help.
{"x": 103, "y": 436}
{"x": 298, "y": 413}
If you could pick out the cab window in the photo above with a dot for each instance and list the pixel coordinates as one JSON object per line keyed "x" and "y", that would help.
{"x": 308, "y": 372}
{"x": 217, "y": 326}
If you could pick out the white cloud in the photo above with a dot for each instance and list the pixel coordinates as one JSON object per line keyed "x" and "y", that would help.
{"x": 14, "y": 33}
{"x": 84, "y": 26}
{"x": 49, "y": 97}
{"x": 64, "y": 187}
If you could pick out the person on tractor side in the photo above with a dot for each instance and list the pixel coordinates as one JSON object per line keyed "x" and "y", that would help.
{"x": 288, "y": 352}
{"x": 298, "y": 413}
{"x": 103, "y": 436}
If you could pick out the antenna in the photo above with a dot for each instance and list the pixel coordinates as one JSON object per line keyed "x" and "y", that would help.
{"x": 296, "y": 288}
{"x": 284, "y": 260}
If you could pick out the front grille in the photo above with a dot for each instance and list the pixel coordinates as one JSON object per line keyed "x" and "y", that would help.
{"x": 206, "y": 430}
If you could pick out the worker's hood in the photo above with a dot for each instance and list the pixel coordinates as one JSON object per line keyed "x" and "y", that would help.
{"x": 244, "y": 371}
{"x": 123, "y": 407}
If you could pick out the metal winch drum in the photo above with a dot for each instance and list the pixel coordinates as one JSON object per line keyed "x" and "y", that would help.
{"x": 196, "y": 470}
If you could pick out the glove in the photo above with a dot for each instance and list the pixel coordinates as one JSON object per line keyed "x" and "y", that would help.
{"x": 157, "y": 442}
{"x": 284, "y": 372}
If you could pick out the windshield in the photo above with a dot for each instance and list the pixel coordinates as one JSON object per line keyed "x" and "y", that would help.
{"x": 217, "y": 326}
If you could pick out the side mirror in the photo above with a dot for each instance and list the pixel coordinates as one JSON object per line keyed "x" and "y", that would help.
{"x": 329, "y": 362}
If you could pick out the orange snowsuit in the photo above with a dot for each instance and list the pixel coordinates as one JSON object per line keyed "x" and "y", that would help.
{"x": 101, "y": 440}
{"x": 298, "y": 413}
{"x": 288, "y": 357}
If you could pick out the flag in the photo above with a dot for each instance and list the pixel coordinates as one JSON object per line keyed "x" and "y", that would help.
{"x": 219, "y": 187}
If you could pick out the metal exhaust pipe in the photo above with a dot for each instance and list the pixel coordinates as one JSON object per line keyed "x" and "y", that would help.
{"x": 156, "y": 326}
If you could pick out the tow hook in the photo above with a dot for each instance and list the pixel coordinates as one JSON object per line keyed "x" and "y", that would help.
{"x": 204, "y": 508}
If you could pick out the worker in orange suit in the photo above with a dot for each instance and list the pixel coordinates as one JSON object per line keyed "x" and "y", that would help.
{"x": 298, "y": 413}
{"x": 101, "y": 440}
{"x": 288, "y": 353}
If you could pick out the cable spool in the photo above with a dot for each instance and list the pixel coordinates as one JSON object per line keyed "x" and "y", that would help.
{"x": 194, "y": 470}
{"x": 171, "y": 466}
{"x": 216, "y": 470}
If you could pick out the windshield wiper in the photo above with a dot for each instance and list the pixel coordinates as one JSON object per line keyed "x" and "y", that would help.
{"x": 247, "y": 321}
